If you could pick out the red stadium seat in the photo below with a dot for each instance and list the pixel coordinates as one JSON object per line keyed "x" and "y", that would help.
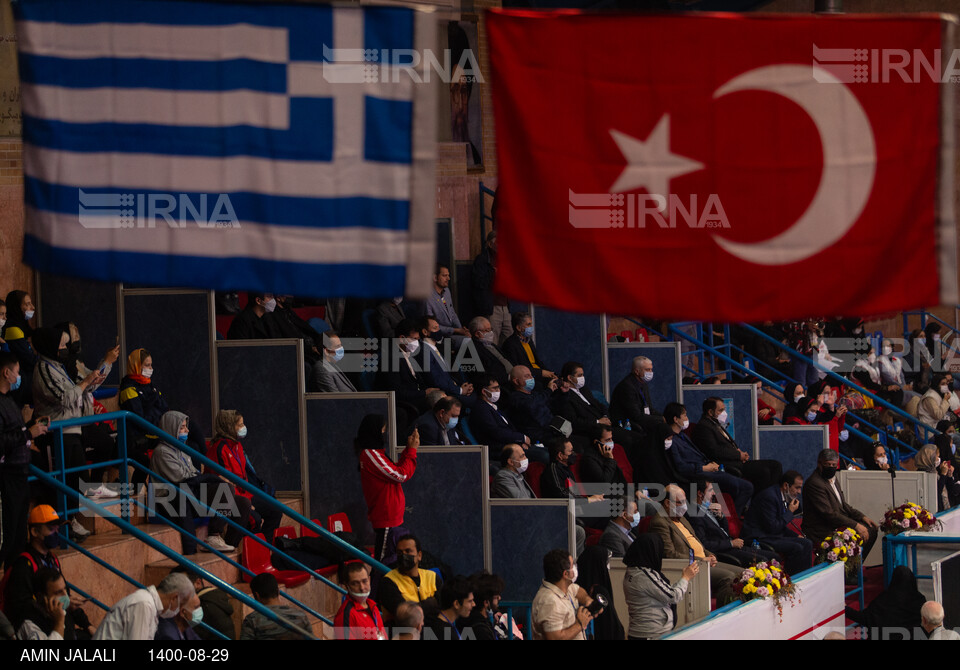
{"x": 641, "y": 335}
{"x": 626, "y": 335}
{"x": 256, "y": 558}
{"x": 339, "y": 523}
{"x": 593, "y": 537}
{"x": 733, "y": 519}
{"x": 306, "y": 532}
{"x": 532, "y": 475}
{"x": 620, "y": 456}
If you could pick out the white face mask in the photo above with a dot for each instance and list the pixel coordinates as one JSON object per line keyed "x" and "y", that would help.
{"x": 667, "y": 444}
{"x": 411, "y": 346}
{"x": 887, "y": 349}
{"x": 944, "y": 390}
{"x": 29, "y": 314}
{"x": 3, "y": 322}
{"x": 488, "y": 337}
{"x": 882, "y": 460}
{"x": 581, "y": 381}
{"x": 635, "y": 521}
{"x": 722, "y": 418}
{"x": 575, "y": 573}
{"x": 360, "y": 597}
{"x": 146, "y": 372}
{"x": 523, "y": 466}
{"x": 608, "y": 445}
{"x": 270, "y": 305}
{"x": 169, "y": 614}
{"x": 798, "y": 397}
{"x": 648, "y": 376}
{"x": 686, "y": 424}
{"x": 494, "y": 396}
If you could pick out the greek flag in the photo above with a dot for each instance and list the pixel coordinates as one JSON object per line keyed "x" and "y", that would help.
{"x": 270, "y": 146}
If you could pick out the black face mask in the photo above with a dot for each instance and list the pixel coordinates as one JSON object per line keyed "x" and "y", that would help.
{"x": 63, "y": 355}
{"x": 406, "y": 562}
{"x": 571, "y": 459}
{"x": 437, "y": 337}
{"x": 828, "y": 472}
{"x": 74, "y": 348}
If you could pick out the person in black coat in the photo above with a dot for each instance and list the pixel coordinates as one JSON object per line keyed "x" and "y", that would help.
{"x": 713, "y": 531}
{"x": 398, "y": 372}
{"x": 439, "y": 426}
{"x": 252, "y": 323}
{"x": 793, "y": 393}
{"x": 489, "y": 359}
{"x": 492, "y": 428}
{"x": 515, "y": 348}
{"x": 631, "y": 400}
{"x": 594, "y": 577}
{"x": 433, "y": 371}
{"x": 597, "y": 465}
{"x": 716, "y": 444}
{"x": 769, "y": 517}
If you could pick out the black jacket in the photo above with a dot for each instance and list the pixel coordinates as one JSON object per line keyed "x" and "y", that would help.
{"x": 596, "y": 469}
{"x": 514, "y": 352}
{"x": 583, "y": 415}
{"x": 248, "y": 326}
{"x": 629, "y": 400}
{"x": 482, "y": 279}
{"x": 716, "y": 444}
{"x": 217, "y": 613}
{"x": 14, "y": 452}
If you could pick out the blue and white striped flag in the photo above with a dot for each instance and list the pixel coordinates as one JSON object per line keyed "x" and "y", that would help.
{"x": 229, "y": 146}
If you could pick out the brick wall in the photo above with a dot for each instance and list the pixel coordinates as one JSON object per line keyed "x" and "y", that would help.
{"x": 13, "y": 273}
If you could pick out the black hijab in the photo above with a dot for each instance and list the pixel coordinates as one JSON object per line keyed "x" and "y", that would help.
{"x": 944, "y": 442}
{"x": 15, "y": 315}
{"x": 595, "y": 578}
{"x": 46, "y": 342}
{"x": 789, "y": 392}
{"x": 897, "y": 607}
{"x": 370, "y": 434}
{"x": 646, "y": 552}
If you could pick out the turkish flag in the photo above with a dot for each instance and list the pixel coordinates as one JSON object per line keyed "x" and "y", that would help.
{"x": 724, "y": 167}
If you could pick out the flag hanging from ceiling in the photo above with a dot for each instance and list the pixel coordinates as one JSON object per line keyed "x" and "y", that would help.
{"x": 725, "y": 167}
{"x": 275, "y": 147}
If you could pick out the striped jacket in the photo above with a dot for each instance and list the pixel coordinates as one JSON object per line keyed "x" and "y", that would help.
{"x": 57, "y": 396}
{"x": 382, "y": 482}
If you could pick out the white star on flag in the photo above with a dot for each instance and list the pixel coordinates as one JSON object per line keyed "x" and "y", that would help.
{"x": 650, "y": 164}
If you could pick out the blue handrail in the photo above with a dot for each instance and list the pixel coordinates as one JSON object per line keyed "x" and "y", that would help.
{"x": 156, "y": 545}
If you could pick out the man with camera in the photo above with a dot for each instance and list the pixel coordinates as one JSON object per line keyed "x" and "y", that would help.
{"x": 561, "y": 609}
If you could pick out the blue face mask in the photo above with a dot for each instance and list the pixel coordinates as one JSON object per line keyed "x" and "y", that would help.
{"x": 64, "y": 602}
{"x": 528, "y": 331}
{"x": 196, "y": 617}
{"x": 529, "y": 384}
{"x": 16, "y": 384}
{"x": 338, "y": 354}
{"x": 183, "y": 437}
{"x": 811, "y": 416}
{"x": 452, "y": 423}
{"x": 242, "y": 432}
{"x": 52, "y": 541}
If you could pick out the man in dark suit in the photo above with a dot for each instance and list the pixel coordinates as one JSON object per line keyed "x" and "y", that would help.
{"x": 716, "y": 444}
{"x": 691, "y": 464}
{"x": 618, "y": 536}
{"x": 597, "y": 464}
{"x": 770, "y": 514}
{"x": 631, "y": 399}
{"x": 825, "y": 509}
{"x": 584, "y": 411}
{"x": 399, "y": 370}
{"x": 491, "y": 359}
{"x": 434, "y": 372}
{"x": 713, "y": 530}
{"x": 520, "y": 349}
{"x": 527, "y": 406}
{"x": 493, "y": 429}
{"x": 439, "y": 427}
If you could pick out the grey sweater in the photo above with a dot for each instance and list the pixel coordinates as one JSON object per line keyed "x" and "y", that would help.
{"x": 649, "y": 597}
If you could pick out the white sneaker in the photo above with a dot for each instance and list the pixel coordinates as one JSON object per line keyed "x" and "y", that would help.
{"x": 216, "y": 542}
{"x": 78, "y": 530}
{"x": 102, "y": 491}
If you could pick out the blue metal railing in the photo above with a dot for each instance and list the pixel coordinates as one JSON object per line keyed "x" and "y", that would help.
{"x": 156, "y": 545}
{"x": 895, "y": 545}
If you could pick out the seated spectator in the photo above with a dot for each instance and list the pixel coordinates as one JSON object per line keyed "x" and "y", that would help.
{"x": 891, "y": 372}
{"x": 16, "y": 440}
{"x": 825, "y": 509}
{"x": 434, "y": 372}
{"x": 440, "y": 307}
{"x": 679, "y": 539}
{"x": 559, "y": 610}
{"x": 217, "y": 610}
{"x": 382, "y": 479}
{"x": 935, "y": 403}
{"x": 618, "y": 535}
{"x": 585, "y": 412}
{"x": 400, "y": 369}
{"x": 793, "y": 393}
{"x": 485, "y": 302}
{"x": 456, "y": 602}
{"x": 529, "y": 407}
{"x": 440, "y": 425}
{"x": 407, "y": 581}
{"x": 491, "y": 426}
{"x": 389, "y": 315}
{"x": 251, "y": 324}
{"x": 176, "y": 467}
{"x": 55, "y": 395}
{"x": 897, "y": 608}
{"x": 597, "y": 463}
{"x": 693, "y": 465}
{"x": 293, "y": 624}
{"x": 16, "y": 334}
{"x": 509, "y": 481}
{"x": 227, "y": 450}
{"x": 479, "y": 624}
{"x": 180, "y": 627}
{"x": 327, "y": 377}
{"x": 866, "y": 373}
{"x": 558, "y": 481}
{"x": 136, "y": 617}
{"x": 931, "y": 621}
{"x": 713, "y": 531}
{"x": 492, "y": 360}
{"x": 408, "y": 621}
{"x": 631, "y": 401}
{"x": 651, "y": 599}
{"x": 47, "y": 616}
{"x": 358, "y": 617}
{"x": 768, "y": 520}
{"x": 519, "y": 348}
{"x": 877, "y": 458}
{"x": 948, "y": 488}
{"x": 711, "y": 437}
{"x": 815, "y": 412}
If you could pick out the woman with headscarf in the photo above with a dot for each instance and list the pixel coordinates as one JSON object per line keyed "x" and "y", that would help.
{"x": 935, "y": 403}
{"x": 140, "y": 396}
{"x": 792, "y": 395}
{"x": 898, "y": 607}
{"x": 227, "y": 451}
{"x": 382, "y": 479}
{"x": 651, "y": 599}
{"x": 948, "y": 488}
{"x": 947, "y": 442}
{"x": 594, "y": 577}
{"x": 891, "y": 374}
{"x": 58, "y": 397}
{"x": 176, "y": 468}
{"x": 17, "y": 332}
{"x": 876, "y": 458}
{"x": 815, "y": 410}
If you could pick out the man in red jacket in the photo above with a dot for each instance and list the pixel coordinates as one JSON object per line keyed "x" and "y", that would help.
{"x": 358, "y": 617}
{"x": 382, "y": 479}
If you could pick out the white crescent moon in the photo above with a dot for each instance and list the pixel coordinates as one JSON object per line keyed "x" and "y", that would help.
{"x": 849, "y": 161}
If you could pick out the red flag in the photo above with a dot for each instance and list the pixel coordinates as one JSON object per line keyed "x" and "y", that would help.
{"x": 724, "y": 167}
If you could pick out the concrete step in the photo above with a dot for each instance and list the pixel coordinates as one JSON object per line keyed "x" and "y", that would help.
{"x": 98, "y": 525}
{"x": 156, "y": 571}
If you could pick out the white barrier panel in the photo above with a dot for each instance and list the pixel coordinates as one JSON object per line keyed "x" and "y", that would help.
{"x": 870, "y": 492}
{"x": 695, "y": 604}
{"x": 821, "y": 610}
{"x": 951, "y": 522}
